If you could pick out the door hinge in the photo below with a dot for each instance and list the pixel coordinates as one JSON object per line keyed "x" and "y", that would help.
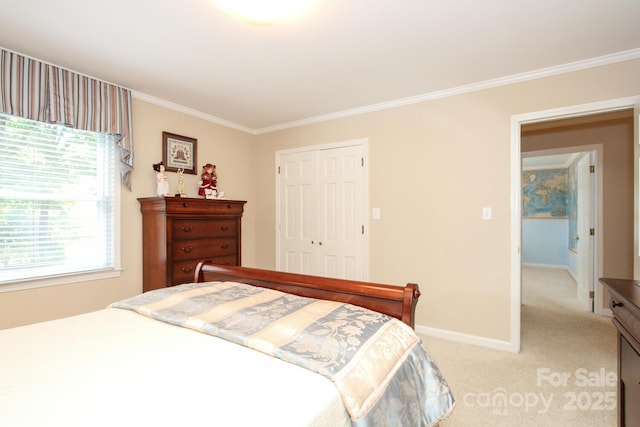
{"x": 592, "y": 169}
{"x": 362, "y": 161}
{"x": 592, "y": 232}
{"x": 278, "y": 170}
{"x": 591, "y": 295}
{"x": 363, "y": 229}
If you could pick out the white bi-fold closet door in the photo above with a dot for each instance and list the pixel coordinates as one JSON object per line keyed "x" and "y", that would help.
{"x": 322, "y": 208}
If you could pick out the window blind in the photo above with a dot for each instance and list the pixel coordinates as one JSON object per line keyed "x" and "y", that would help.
{"x": 57, "y": 190}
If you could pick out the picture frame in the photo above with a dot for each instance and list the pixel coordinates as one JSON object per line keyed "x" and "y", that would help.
{"x": 179, "y": 153}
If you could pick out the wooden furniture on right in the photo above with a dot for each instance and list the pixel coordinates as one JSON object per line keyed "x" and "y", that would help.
{"x": 625, "y": 304}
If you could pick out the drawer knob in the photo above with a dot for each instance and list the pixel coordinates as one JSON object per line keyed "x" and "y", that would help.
{"x": 187, "y": 270}
{"x": 187, "y": 250}
{"x": 224, "y": 227}
{"x": 186, "y": 229}
{"x": 185, "y": 204}
{"x": 224, "y": 245}
{"x": 616, "y": 304}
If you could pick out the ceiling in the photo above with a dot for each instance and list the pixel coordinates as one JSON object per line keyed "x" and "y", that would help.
{"x": 342, "y": 58}
{"x": 552, "y": 161}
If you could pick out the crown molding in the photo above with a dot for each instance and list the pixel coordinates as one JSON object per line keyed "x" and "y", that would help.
{"x": 487, "y": 84}
{"x": 628, "y": 55}
{"x": 191, "y": 112}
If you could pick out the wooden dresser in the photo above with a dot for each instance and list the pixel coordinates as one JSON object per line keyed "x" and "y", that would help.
{"x": 625, "y": 304}
{"x": 178, "y": 232}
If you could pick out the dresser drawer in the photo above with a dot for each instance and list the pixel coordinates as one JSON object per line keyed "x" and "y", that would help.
{"x": 189, "y": 229}
{"x": 183, "y": 271}
{"x": 192, "y": 206}
{"x": 225, "y": 260}
{"x": 203, "y": 248}
{"x": 624, "y": 314}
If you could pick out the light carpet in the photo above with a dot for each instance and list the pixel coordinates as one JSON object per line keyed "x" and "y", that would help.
{"x": 565, "y": 374}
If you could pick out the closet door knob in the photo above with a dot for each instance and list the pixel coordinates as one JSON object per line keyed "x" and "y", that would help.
{"x": 616, "y": 304}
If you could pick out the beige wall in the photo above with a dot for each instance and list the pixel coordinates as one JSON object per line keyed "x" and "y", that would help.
{"x": 433, "y": 166}
{"x": 232, "y": 152}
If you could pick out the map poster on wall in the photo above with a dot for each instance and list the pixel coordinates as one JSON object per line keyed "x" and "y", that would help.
{"x": 544, "y": 193}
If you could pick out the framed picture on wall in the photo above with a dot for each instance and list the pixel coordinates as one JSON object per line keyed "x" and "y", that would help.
{"x": 179, "y": 152}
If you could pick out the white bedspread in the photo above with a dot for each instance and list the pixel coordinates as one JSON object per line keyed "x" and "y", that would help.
{"x": 117, "y": 368}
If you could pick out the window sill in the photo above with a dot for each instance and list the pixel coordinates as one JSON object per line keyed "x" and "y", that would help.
{"x": 58, "y": 280}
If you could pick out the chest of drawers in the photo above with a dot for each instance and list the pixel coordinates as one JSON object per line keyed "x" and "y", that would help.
{"x": 625, "y": 305}
{"x": 178, "y": 232}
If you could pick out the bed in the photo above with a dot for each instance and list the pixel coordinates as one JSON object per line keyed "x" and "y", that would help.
{"x": 314, "y": 351}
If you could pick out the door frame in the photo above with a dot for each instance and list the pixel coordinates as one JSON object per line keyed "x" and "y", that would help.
{"x": 516, "y": 189}
{"x": 589, "y": 262}
{"x": 596, "y": 257}
{"x": 364, "y": 144}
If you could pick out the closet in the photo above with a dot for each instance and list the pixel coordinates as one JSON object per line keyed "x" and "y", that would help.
{"x": 322, "y": 207}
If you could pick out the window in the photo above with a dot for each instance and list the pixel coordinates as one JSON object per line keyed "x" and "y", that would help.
{"x": 59, "y": 193}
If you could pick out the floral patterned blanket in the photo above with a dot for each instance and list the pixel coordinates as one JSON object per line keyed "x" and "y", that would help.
{"x": 377, "y": 363}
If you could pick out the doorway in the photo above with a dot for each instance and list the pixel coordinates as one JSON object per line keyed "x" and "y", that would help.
{"x": 560, "y": 201}
{"x": 621, "y": 247}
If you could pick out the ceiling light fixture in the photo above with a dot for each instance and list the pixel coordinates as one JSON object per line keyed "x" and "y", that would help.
{"x": 265, "y": 12}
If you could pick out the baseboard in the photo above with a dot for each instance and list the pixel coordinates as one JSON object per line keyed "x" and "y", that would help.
{"x": 556, "y": 266}
{"x": 467, "y": 339}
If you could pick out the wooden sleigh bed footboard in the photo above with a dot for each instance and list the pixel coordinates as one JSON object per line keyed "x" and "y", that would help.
{"x": 396, "y": 301}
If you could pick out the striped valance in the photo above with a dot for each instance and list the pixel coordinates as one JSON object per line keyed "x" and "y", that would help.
{"x": 38, "y": 91}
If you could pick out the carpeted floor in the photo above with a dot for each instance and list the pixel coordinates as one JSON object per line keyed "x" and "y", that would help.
{"x": 565, "y": 374}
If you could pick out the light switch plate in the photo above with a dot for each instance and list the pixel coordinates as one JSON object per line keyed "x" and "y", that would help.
{"x": 486, "y": 213}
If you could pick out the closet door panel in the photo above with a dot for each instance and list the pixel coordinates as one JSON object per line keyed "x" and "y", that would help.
{"x": 341, "y": 219}
{"x": 298, "y": 212}
{"x": 322, "y": 212}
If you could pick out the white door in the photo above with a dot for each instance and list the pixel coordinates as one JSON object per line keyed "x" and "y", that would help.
{"x": 340, "y": 226}
{"x": 584, "y": 224}
{"x": 298, "y": 213}
{"x": 322, "y": 212}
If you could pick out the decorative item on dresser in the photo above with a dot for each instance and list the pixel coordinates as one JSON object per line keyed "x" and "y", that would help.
{"x": 625, "y": 304}
{"x": 178, "y": 232}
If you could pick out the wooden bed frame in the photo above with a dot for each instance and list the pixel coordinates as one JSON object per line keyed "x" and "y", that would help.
{"x": 396, "y": 301}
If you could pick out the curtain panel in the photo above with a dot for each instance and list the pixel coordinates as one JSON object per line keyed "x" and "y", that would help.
{"x": 38, "y": 91}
